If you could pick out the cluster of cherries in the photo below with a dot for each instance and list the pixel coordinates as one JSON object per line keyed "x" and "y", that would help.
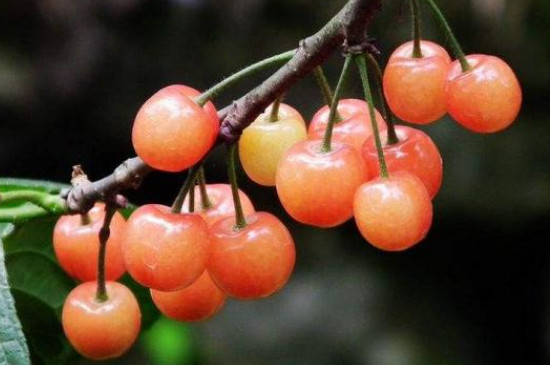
{"x": 192, "y": 259}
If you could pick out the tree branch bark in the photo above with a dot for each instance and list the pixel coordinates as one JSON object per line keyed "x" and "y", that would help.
{"x": 348, "y": 28}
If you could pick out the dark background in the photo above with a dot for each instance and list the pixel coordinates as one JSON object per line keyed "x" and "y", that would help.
{"x": 74, "y": 73}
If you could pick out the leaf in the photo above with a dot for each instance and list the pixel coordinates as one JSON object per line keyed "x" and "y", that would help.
{"x": 40, "y": 287}
{"x": 13, "y": 348}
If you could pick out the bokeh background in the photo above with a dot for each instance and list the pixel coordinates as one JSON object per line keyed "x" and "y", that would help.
{"x": 476, "y": 291}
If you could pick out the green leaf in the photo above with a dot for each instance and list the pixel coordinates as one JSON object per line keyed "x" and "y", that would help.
{"x": 13, "y": 348}
{"x": 11, "y": 184}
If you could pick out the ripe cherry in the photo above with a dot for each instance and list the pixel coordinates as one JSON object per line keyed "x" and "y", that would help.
{"x": 209, "y": 107}
{"x": 164, "y": 250}
{"x": 415, "y": 152}
{"x": 222, "y": 206}
{"x": 198, "y": 302}
{"x": 101, "y": 330}
{"x": 487, "y": 97}
{"x": 252, "y": 262}
{"x": 415, "y": 87}
{"x": 171, "y": 132}
{"x": 76, "y": 244}
{"x": 317, "y": 188}
{"x": 393, "y": 213}
{"x": 355, "y": 126}
{"x": 264, "y": 142}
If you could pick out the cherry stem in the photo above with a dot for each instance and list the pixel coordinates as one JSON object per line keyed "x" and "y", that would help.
{"x": 386, "y": 111}
{"x": 325, "y": 146}
{"x": 221, "y": 86}
{"x": 240, "y": 221}
{"x": 187, "y": 185}
{"x": 192, "y": 197}
{"x": 104, "y": 233}
{"x": 205, "y": 200}
{"x": 455, "y": 46}
{"x": 52, "y": 204}
{"x": 326, "y": 90}
{"x": 85, "y": 219}
{"x": 415, "y": 14}
{"x": 274, "y": 115}
{"x": 362, "y": 65}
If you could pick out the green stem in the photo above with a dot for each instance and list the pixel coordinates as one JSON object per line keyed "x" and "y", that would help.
{"x": 192, "y": 197}
{"x": 386, "y": 111}
{"x": 325, "y": 146}
{"x": 361, "y": 64}
{"x": 104, "y": 233}
{"x": 205, "y": 200}
{"x": 326, "y": 90}
{"x": 188, "y": 184}
{"x": 415, "y": 12}
{"x": 240, "y": 221}
{"x": 455, "y": 46}
{"x": 215, "y": 90}
{"x": 274, "y": 115}
{"x": 51, "y": 203}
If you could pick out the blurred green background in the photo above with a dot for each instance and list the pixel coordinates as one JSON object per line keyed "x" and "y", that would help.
{"x": 477, "y": 291}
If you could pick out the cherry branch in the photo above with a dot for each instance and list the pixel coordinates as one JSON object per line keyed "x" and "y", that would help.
{"x": 347, "y": 28}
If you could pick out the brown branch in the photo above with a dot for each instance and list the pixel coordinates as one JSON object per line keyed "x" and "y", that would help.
{"x": 347, "y": 28}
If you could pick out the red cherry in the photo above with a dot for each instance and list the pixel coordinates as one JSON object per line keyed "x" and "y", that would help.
{"x": 263, "y": 143}
{"x": 415, "y": 87}
{"x": 209, "y": 107}
{"x": 252, "y": 262}
{"x": 393, "y": 213}
{"x": 355, "y": 127}
{"x": 101, "y": 330}
{"x": 171, "y": 132}
{"x": 415, "y": 152}
{"x": 487, "y": 97}
{"x": 163, "y": 250}
{"x": 76, "y": 245}
{"x": 198, "y": 302}
{"x": 222, "y": 203}
{"x": 317, "y": 188}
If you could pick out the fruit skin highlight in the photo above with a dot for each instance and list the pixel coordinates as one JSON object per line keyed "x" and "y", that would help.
{"x": 486, "y": 98}
{"x": 76, "y": 245}
{"x": 393, "y": 213}
{"x": 252, "y": 262}
{"x": 264, "y": 142}
{"x": 101, "y": 330}
{"x": 415, "y": 87}
{"x": 317, "y": 188}
{"x": 355, "y": 126}
{"x": 198, "y": 302}
{"x": 415, "y": 152}
{"x": 164, "y": 250}
{"x": 171, "y": 132}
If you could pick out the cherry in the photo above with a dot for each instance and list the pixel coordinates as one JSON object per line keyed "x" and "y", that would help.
{"x": 209, "y": 107}
{"x": 101, "y": 330}
{"x": 198, "y": 302}
{"x": 317, "y": 188}
{"x": 76, "y": 244}
{"x": 415, "y": 152}
{"x": 487, "y": 97}
{"x": 415, "y": 87}
{"x": 222, "y": 206}
{"x": 164, "y": 250}
{"x": 393, "y": 213}
{"x": 171, "y": 132}
{"x": 354, "y": 128}
{"x": 264, "y": 142}
{"x": 251, "y": 262}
